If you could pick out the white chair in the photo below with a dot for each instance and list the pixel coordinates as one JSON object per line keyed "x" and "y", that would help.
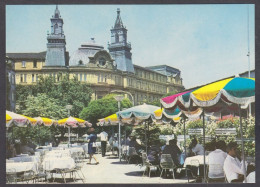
{"x": 167, "y": 163}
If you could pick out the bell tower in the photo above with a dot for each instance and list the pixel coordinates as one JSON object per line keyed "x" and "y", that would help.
{"x": 120, "y": 49}
{"x": 56, "y": 46}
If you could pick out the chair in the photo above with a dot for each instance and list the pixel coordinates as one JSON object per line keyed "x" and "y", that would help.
{"x": 79, "y": 164}
{"x": 218, "y": 169}
{"x": 167, "y": 163}
{"x": 41, "y": 174}
{"x": 11, "y": 176}
{"x": 28, "y": 176}
{"x": 147, "y": 164}
{"x": 131, "y": 153}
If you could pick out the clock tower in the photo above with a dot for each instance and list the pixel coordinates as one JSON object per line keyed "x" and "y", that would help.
{"x": 119, "y": 48}
{"x": 56, "y": 46}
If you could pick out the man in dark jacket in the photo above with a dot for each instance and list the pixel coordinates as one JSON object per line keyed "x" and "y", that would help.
{"x": 173, "y": 150}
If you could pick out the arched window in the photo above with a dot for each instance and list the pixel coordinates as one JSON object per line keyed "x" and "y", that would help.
{"x": 56, "y": 28}
{"x": 117, "y": 38}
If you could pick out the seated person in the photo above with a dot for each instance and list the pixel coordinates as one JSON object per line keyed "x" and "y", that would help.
{"x": 196, "y": 148}
{"x": 173, "y": 150}
{"x": 135, "y": 144}
{"x": 233, "y": 168}
{"x": 217, "y": 157}
{"x": 154, "y": 153}
{"x": 25, "y": 149}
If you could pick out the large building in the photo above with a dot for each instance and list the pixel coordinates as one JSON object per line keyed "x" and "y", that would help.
{"x": 104, "y": 71}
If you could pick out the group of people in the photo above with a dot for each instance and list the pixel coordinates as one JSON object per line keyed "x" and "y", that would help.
{"x": 226, "y": 157}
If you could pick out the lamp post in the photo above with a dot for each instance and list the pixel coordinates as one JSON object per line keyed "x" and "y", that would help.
{"x": 132, "y": 97}
{"x": 119, "y": 98}
{"x": 69, "y": 107}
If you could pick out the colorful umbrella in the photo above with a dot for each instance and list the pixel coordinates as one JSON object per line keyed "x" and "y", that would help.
{"x": 19, "y": 120}
{"x": 45, "y": 121}
{"x": 236, "y": 90}
{"x": 231, "y": 92}
{"x": 139, "y": 114}
{"x": 74, "y": 123}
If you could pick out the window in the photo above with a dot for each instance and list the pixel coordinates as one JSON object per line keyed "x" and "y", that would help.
{"x": 36, "y": 77}
{"x": 85, "y": 77}
{"x": 21, "y": 78}
{"x": 12, "y": 96}
{"x": 80, "y": 77}
{"x": 105, "y": 78}
{"x": 23, "y": 64}
{"x": 25, "y": 78}
{"x": 116, "y": 38}
{"x": 35, "y": 64}
{"x": 102, "y": 61}
{"x": 54, "y": 77}
{"x": 32, "y": 77}
{"x": 13, "y": 79}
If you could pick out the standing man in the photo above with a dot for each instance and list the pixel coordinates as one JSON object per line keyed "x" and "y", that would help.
{"x": 104, "y": 138}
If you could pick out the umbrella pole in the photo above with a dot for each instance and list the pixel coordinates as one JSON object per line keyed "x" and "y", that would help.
{"x": 204, "y": 156}
{"x": 185, "y": 139}
{"x": 69, "y": 137}
{"x": 145, "y": 139}
{"x": 119, "y": 140}
{"x": 242, "y": 139}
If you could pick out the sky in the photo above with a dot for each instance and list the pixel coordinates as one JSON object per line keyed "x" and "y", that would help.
{"x": 205, "y": 42}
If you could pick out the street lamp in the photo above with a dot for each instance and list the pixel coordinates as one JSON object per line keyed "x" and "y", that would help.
{"x": 133, "y": 102}
{"x": 69, "y": 107}
{"x": 119, "y": 98}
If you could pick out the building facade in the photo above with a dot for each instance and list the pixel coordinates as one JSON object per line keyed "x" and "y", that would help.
{"x": 104, "y": 71}
{"x": 10, "y": 85}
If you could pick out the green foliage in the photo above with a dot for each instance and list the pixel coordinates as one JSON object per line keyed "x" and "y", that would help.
{"x": 155, "y": 102}
{"x": 37, "y": 134}
{"x": 8, "y": 86}
{"x": 44, "y": 106}
{"x": 152, "y": 134}
{"x": 102, "y": 108}
{"x": 66, "y": 91}
{"x": 248, "y": 128}
{"x": 167, "y": 131}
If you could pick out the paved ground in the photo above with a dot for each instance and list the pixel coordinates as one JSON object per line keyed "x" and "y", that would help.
{"x": 110, "y": 170}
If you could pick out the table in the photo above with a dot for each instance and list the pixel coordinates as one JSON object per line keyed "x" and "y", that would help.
{"x": 58, "y": 153}
{"x": 21, "y": 166}
{"x": 25, "y": 159}
{"x": 192, "y": 161}
{"x": 76, "y": 150}
{"x": 52, "y": 163}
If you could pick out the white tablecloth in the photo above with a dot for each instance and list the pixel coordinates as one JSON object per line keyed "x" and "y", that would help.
{"x": 25, "y": 159}
{"x": 21, "y": 166}
{"x": 193, "y": 160}
{"x": 58, "y": 163}
{"x": 58, "y": 153}
{"x": 76, "y": 150}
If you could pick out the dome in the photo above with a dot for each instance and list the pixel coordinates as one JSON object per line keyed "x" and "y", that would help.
{"x": 86, "y": 50}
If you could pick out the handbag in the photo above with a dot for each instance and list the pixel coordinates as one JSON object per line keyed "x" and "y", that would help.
{"x": 94, "y": 144}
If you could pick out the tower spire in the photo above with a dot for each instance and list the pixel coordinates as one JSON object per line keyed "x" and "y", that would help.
{"x": 57, "y": 12}
{"x": 118, "y": 23}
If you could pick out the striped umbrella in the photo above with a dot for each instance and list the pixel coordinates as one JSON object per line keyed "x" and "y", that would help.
{"x": 46, "y": 121}
{"x": 73, "y": 123}
{"x": 18, "y": 120}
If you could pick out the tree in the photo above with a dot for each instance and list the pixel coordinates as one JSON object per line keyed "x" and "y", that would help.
{"x": 44, "y": 106}
{"x": 66, "y": 91}
{"x": 102, "y": 108}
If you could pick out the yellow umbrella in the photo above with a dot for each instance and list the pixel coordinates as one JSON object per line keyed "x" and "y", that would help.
{"x": 46, "y": 121}
{"x": 17, "y": 119}
{"x": 74, "y": 123}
